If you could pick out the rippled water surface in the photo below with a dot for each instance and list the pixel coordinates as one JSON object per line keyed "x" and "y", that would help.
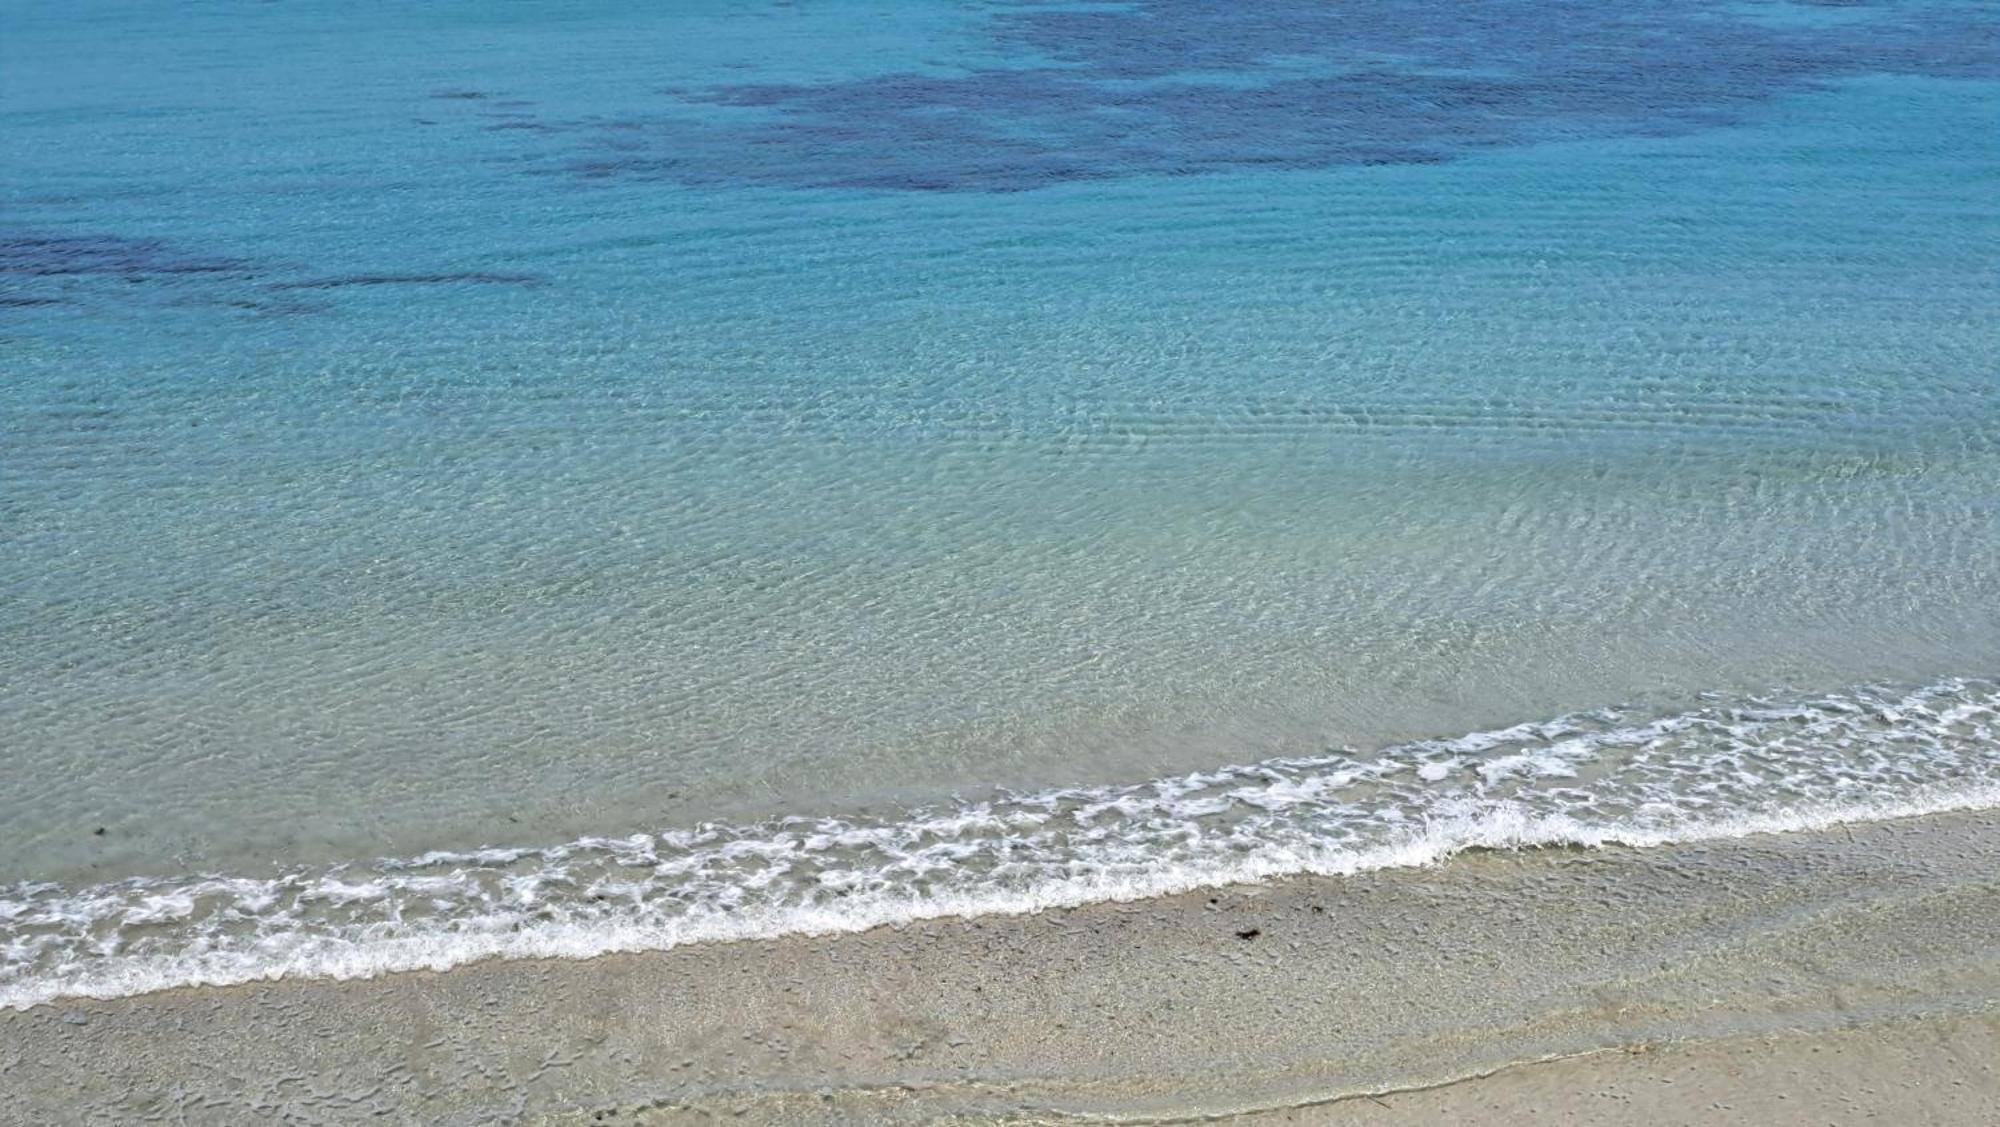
{"x": 455, "y": 426}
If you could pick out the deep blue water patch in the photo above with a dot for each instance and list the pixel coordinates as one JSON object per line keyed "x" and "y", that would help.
{"x": 1174, "y": 87}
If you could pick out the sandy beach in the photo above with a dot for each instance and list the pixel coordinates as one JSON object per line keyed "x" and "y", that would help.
{"x": 1821, "y": 977}
{"x": 1934, "y": 1070}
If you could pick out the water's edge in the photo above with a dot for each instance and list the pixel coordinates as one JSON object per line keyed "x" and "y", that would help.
{"x": 1721, "y": 770}
{"x": 1278, "y": 994}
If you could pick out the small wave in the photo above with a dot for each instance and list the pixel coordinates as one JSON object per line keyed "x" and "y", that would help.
{"x": 1590, "y": 779}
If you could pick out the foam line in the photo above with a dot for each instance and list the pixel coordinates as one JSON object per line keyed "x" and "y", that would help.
{"x": 1603, "y": 778}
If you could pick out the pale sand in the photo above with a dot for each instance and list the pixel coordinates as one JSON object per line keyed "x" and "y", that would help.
{"x": 1920, "y": 1071}
{"x": 1877, "y": 949}
{"x": 1927, "y": 1070}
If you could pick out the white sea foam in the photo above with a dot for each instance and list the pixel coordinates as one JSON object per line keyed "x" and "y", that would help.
{"x": 1587, "y": 780}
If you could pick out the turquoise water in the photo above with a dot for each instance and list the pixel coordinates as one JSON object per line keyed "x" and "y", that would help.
{"x": 430, "y": 428}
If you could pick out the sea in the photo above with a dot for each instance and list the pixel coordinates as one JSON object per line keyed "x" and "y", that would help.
{"x": 537, "y": 479}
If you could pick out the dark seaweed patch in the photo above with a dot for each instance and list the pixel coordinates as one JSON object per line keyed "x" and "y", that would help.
{"x": 1134, "y": 90}
{"x": 465, "y": 278}
{"x": 77, "y": 270}
{"x": 42, "y": 271}
{"x": 77, "y": 256}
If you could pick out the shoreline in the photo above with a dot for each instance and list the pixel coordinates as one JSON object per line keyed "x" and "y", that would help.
{"x": 1238, "y": 1000}
{"x": 1601, "y": 779}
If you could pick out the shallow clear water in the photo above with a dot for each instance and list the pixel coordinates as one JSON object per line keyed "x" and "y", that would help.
{"x": 433, "y": 429}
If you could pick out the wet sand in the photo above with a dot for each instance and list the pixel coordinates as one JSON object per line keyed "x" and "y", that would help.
{"x": 1859, "y": 964}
